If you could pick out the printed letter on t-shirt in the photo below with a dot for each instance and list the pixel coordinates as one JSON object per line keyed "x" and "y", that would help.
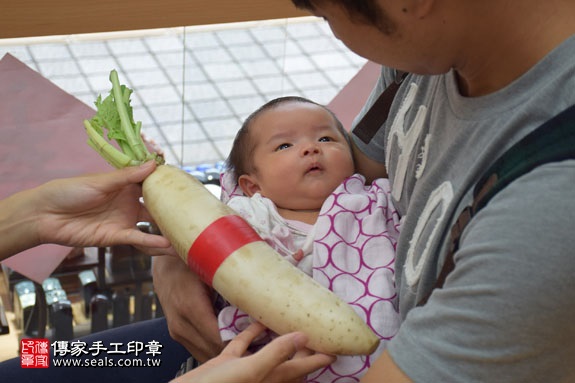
{"x": 426, "y": 232}
{"x": 406, "y": 139}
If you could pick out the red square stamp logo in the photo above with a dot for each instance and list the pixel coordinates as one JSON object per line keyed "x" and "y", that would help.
{"x": 34, "y": 353}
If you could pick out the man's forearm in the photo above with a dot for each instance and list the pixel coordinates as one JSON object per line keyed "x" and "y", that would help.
{"x": 367, "y": 167}
{"x": 384, "y": 370}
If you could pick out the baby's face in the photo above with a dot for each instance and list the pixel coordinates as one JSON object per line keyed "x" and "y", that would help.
{"x": 300, "y": 155}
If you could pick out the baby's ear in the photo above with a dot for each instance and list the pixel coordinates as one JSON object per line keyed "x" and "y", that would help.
{"x": 248, "y": 184}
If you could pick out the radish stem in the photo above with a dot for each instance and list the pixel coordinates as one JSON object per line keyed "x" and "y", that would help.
{"x": 114, "y": 157}
{"x": 122, "y": 97}
{"x": 114, "y": 114}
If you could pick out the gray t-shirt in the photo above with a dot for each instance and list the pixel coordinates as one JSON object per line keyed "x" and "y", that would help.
{"x": 507, "y": 311}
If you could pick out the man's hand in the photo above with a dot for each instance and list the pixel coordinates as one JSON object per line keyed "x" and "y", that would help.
{"x": 187, "y": 305}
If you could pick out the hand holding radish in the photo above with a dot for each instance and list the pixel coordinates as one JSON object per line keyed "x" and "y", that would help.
{"x": 94, "y": 210}
{"x": 222, "y": 248}
{"x": 283, "y": 360}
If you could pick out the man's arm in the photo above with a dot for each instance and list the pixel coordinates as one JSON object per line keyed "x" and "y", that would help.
{"x": 187, "y": 305}
{"x": 367, "y": 167}
{"x": 384, "y": 370}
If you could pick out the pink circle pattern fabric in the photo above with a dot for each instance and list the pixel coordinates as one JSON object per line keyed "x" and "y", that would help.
{"x": 354, "y": 256}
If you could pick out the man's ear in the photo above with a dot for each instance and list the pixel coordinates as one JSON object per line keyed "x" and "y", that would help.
{"x": 421, "y": 8}
{"x": 248, "y": 184}
{"x": 417, "y": 9}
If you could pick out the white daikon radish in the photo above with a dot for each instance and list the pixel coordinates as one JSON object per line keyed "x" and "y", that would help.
{"x": 223, "y": 249}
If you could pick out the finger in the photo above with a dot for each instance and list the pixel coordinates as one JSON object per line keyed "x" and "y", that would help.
{"x": 158, "y": 251}
{"x": 303, "y": 353}
{"x": 203, "y": 348}
{"x": 135, "y": 174}
{"x": 128, "y": 175}
{"x": 137, "y": 238}
{"x": 302, "y": 366}
{"x": 298, "y": 255}
{"x": 282, "y": 349}
{"x": 302, "y": 362}
{"x": 240, "y": 343}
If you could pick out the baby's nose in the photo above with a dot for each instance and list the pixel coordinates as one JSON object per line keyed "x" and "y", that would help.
{"x": 311, "y": 149}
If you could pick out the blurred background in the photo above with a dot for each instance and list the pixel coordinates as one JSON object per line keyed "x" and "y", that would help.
{"x": 193, "y": 86}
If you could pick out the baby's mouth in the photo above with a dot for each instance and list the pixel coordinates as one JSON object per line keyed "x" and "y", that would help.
{"x": 314, "y": 169}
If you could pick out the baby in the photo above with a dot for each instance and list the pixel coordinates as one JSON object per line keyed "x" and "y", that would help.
{"x": 290, "y": 174}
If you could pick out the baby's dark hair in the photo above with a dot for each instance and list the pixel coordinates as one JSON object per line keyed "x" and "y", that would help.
{"x": 240, "y": 159}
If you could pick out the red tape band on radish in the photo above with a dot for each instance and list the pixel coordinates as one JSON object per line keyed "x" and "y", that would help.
{"x": 220, "y": 239}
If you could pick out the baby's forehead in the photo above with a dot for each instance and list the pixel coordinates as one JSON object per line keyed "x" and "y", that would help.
{"x": 289, "y": 110}
{"x": 293, "y": 105}
{"x": 294, "y": 123}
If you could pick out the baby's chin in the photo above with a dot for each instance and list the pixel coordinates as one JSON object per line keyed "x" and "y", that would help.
{"x": 306, "y": 205}
{"x": 311, "y": 199}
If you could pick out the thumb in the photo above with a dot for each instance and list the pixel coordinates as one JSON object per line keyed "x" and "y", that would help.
{"x": 135, "y": 174}
{"x": 126, "y": 176}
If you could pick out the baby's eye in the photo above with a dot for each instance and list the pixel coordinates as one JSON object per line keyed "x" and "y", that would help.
{"x": 283, "y": 146}
{"x": 325, "y": 139}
